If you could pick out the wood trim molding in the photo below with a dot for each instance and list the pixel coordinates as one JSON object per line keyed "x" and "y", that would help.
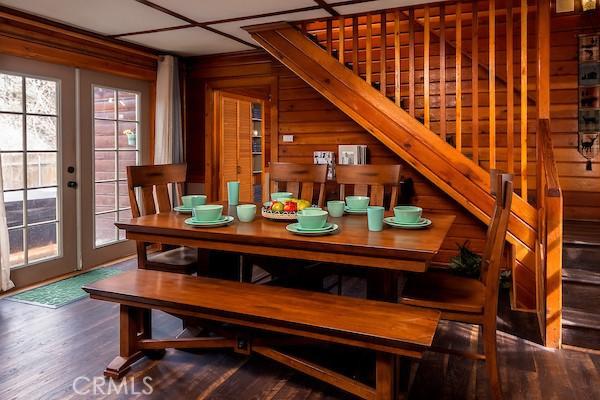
{"x": 27, "y": 36}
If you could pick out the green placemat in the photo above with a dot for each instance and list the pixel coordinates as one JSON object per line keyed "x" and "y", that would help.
{"x": 58, "y": 294}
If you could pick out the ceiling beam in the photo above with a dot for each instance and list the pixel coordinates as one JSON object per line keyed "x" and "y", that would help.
{"x": 327, "y": 7}
{"x": 195, "y": 23}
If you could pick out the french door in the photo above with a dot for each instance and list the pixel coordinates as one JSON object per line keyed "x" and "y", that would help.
{"x": 38, "y": 156}
{"x": 114, "y": 114}
{"x": 66, "y": 139}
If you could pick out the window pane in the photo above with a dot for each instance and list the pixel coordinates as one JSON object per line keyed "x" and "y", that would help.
{"x": 12, "y": 171}
{"x": 13, "y": 201}
{"x": 41, "y": 242}
{"x": 41, "y": 133}
{"x": 41, "y": 205}
{"x": 105, "y": 196}
{"x": 15, "y": 238}
{"x": 127, "y": 106}
{"x": 41, "y": 96}
{"x": 104, "y": 134}
{"x": 11, "y": 96}
{"x": 11, "y": 132}
{"x": 41, "y": 169}
{"x": 123, "y": 195}
{"x": 104, "y": 103}
{"x": 124, "y": 215}
{"x": 104, "y": 166}
{"x": 106, "y": 231}
{"x": 126, "y": 158}
{"x": 126, "y": 139}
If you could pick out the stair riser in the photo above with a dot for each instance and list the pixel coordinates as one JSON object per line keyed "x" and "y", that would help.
{"x": 584, "y": 257}
{"x": 582, "y": 297}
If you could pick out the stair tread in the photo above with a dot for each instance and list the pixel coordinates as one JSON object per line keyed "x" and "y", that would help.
{"x": 581, "y": 232}
{"x": 580, "y": 319}
{"x": 581, "y": 276}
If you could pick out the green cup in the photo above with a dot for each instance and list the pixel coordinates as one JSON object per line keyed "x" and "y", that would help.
{"x": 233, "y": 193}
{"x": 375, "y": 218}
{"x": 246, "y": 212}
{"x": 193, "y": 200}
{"x": 407, "y": 214}
{"x": 336, "y": 208}
{"x": 207, "y": 212}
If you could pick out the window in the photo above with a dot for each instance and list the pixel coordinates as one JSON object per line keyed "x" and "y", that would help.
{"x": 29, "y": 151}
{"x": 116, "y": 145}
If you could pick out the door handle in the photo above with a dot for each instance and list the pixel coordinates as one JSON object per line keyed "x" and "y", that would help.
{"x": 72, "y": 184}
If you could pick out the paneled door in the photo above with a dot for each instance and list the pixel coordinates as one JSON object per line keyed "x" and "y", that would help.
{"x": 235, "y": 124}
{"x": 114, "y": 124}
{"x": 37, "y": 153}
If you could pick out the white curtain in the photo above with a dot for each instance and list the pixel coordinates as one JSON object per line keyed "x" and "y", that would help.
{"x": 5, "y": 282}
{"x": 168, "y": 145}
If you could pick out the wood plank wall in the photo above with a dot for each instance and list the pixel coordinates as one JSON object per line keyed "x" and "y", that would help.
{"x": 581, "y": 188}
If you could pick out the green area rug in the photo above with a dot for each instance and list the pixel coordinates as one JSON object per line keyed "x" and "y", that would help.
{"x": 61, "y": 293}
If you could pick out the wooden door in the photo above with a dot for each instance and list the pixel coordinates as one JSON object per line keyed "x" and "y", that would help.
{"x": 236, "y": 145}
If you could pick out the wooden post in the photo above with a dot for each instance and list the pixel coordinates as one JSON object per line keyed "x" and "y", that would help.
{"x": 475, "y": 81}
{"x": 341, "y": 46}
{"x": 524, "y": 185}
{"x": 355, "y": 45}
{"x": 369, "y": 49}
{"x": 329, "y": 36}
{"x": 458, "y": 77}
{"x": 397, "y": 57}
{"x": 492, "y": 81}
{"x": 510, "y": 88}
{"x": 443, "y": 71}
{"x": 383, "y": 55}
{"x": 411, "y": 62}
{"x": 426, "y": 36}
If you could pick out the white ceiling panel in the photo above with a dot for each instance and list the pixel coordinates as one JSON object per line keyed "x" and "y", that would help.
{"x": 211, "y": 10}
{"x": 108, "y": 17}
{"x": 235, "y": 28}
{"x": 376, "y": 5}
{"x": 188, "y": 42}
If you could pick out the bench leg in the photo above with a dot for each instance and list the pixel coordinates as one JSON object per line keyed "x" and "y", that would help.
{"x": 133, "y": 324}
{"x": 385, "y": 377}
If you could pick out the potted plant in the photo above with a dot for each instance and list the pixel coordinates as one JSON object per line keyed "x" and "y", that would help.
{"x": 131, "y": 136}
{"x": 468, "y": 263}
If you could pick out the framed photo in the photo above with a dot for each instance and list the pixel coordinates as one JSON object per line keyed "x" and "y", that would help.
{"x": 589, "y": 48}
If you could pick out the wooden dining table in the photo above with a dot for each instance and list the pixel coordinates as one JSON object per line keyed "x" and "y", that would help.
{"x": 385, "y": 253}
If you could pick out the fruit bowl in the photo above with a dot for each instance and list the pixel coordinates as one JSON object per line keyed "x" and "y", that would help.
{"x": 278, "y": 215}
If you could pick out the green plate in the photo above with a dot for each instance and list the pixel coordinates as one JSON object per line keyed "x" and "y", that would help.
{"x": 351, "y": 211}
{"x": 390, "y": 221}
{"x": 327, "y": 227}
{"x": 294, "y": 229}
{"x": 182, "y": 209}
{"x": 224, "y": 220}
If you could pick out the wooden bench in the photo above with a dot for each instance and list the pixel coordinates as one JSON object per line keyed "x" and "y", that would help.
{"x": 391, "y": 330}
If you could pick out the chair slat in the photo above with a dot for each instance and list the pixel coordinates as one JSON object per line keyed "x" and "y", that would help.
{"x": 373, "y": 177}
{"x": 361, "y": 190}
{"x": 162, "y": 198}
{"x": 297, "y": 176}
{"x": 307, "y": 190}
{"x": 377, "y": 193}
{"x": 293, "y": 187}
{"x": 148, "y": 200}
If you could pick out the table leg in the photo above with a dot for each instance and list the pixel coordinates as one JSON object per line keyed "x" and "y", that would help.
{"x": 382, "y": 285}
{"x": 131, "y": 323}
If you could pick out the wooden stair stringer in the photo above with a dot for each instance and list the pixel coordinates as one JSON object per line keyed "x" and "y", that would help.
{"x": 443, "y": 165}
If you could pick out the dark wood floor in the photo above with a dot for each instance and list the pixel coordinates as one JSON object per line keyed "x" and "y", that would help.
{"x": 42, "y": 351}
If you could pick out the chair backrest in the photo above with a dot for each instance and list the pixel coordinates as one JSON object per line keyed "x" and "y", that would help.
{"x": 370, "y": 180}
{"x": 299, "y": 179}
{"x": 154, "y": 180}
{"x": 496, "y": 241}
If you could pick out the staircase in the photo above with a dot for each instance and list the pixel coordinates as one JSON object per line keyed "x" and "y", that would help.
{"x": 581, "y": 284}
{"x": 377, "y": 69}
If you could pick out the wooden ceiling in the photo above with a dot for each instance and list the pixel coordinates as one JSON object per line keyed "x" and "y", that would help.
{"x": 189, "y": 27}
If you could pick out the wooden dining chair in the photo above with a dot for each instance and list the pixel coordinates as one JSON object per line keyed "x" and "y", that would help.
{"x": 374, "y": 181}
{"x": 153, "y": 181}
{"x": 468, "y": 300}
{"x": 299, "y": 179}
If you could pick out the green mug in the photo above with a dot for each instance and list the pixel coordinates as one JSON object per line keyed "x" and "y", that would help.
{"x": 246, "y": 212}
{"x": 193, "y": 200}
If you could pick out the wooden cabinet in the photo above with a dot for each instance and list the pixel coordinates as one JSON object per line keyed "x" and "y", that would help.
{"x": 241, "y": 127}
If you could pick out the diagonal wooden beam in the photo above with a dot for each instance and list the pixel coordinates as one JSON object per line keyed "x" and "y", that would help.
{"x": 499, "y": 75}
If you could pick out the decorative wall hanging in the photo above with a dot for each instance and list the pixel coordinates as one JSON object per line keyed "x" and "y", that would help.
{"x": 589, "y": 97}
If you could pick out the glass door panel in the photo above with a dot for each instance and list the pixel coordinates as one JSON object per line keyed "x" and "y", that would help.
{"x": 36, "y": 146}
